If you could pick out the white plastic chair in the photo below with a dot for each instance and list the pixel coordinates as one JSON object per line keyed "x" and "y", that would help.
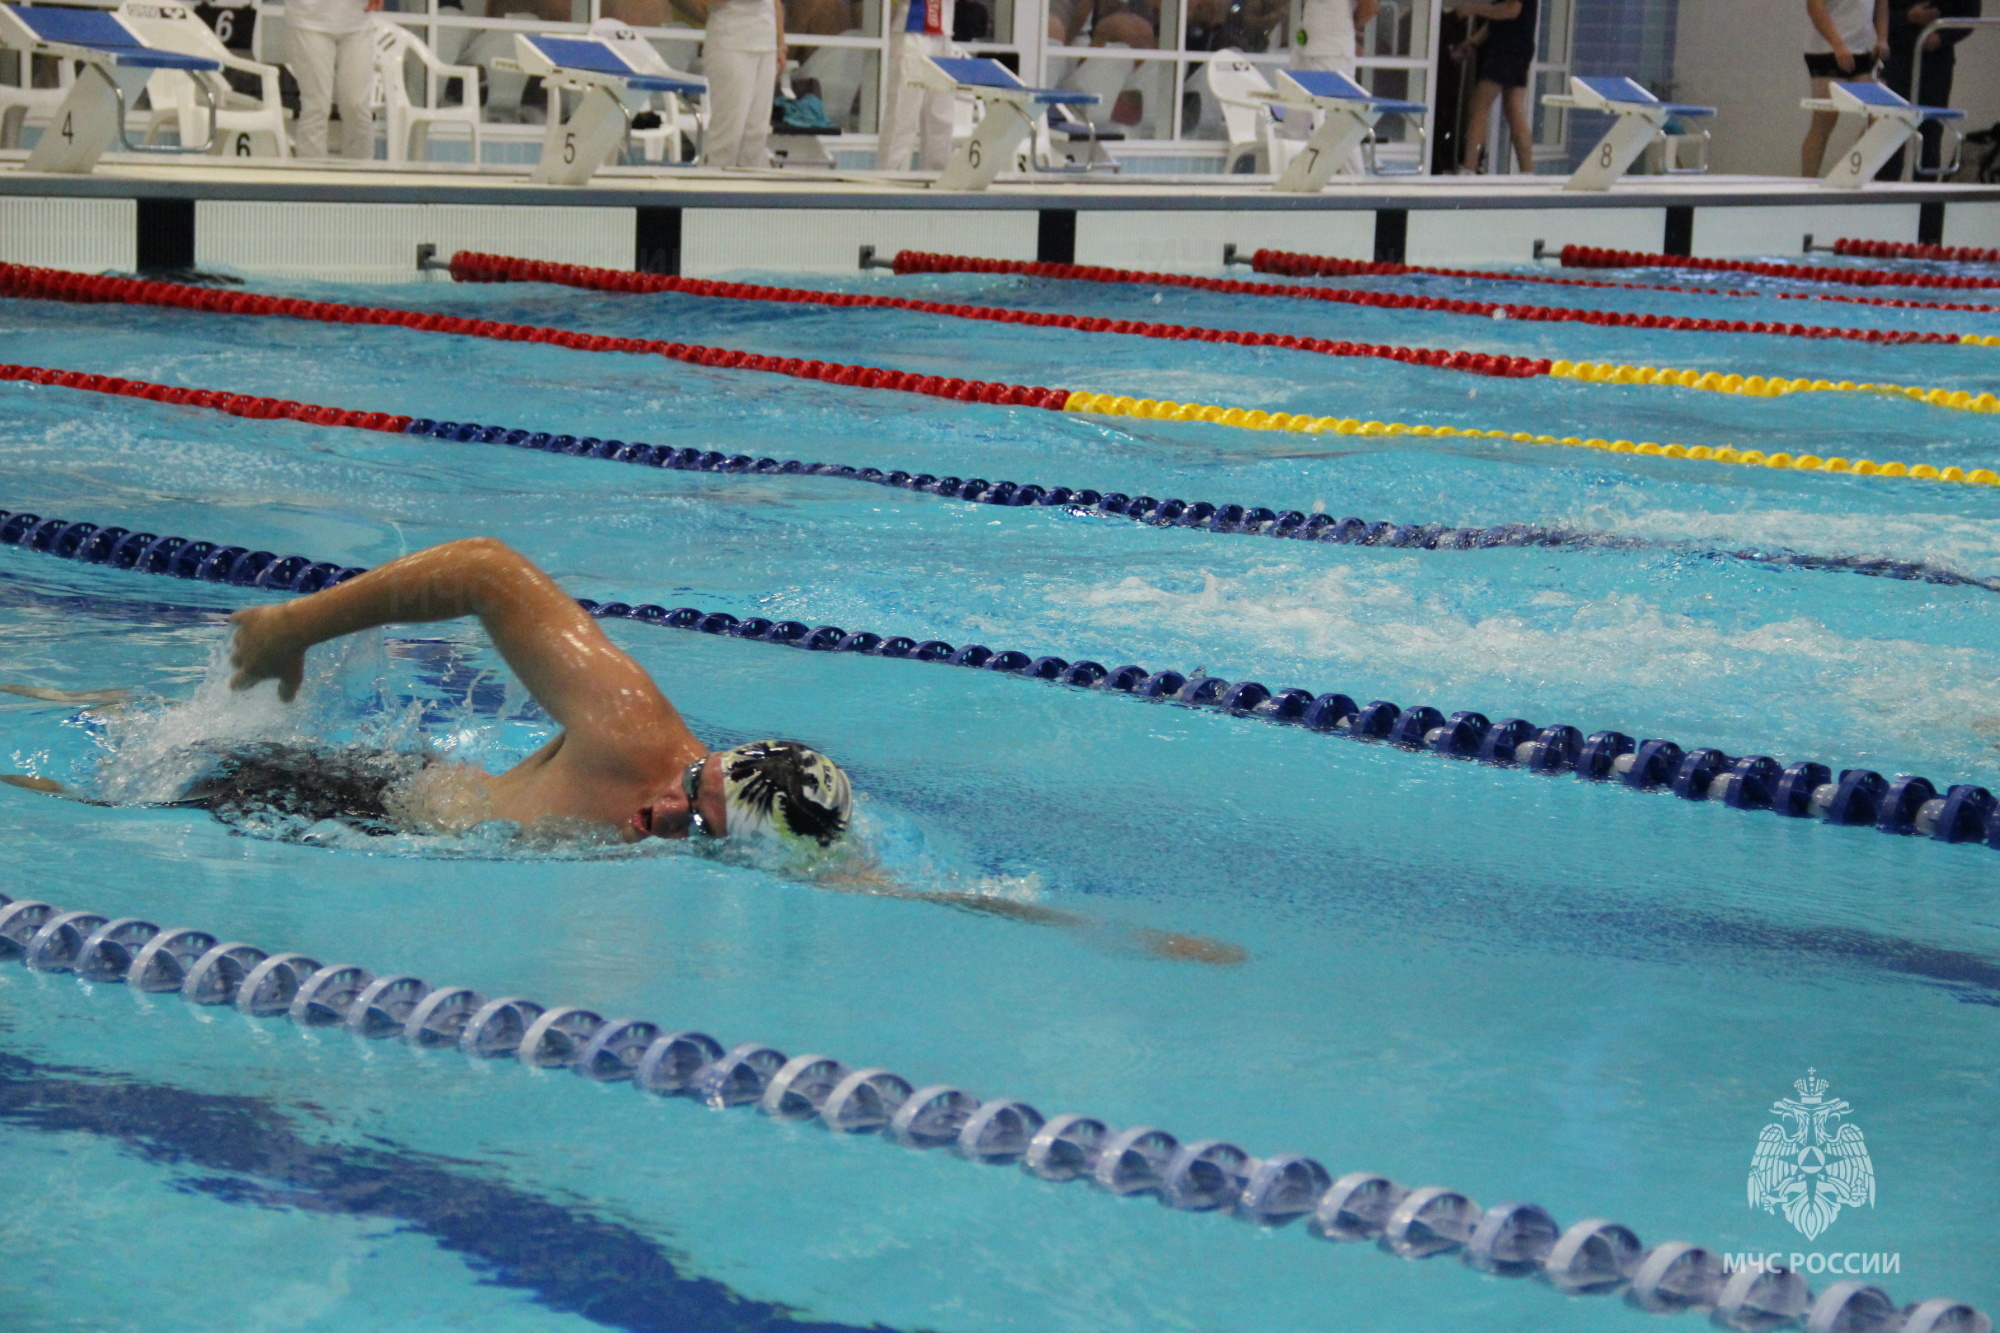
{"x": 243, "y": 123}
{"x": 681, "y": 124}
{"x": 1255, "y": 125}
{"x": 409, "y": 121}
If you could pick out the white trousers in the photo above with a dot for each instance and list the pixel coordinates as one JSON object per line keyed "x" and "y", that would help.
{"x": 914, "y": 118}
{"x": 334, "y": 66}
{"x": 1354, "y": 165}
{"x": 740, "y": 88}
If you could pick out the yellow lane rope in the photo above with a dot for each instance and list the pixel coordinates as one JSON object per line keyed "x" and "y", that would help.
{"x": 1759, "y": 386}
{"x": 1160, "y": 409}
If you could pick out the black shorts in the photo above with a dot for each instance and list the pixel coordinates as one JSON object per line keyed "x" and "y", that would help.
{"x": 1822, "y": 65}
{"x": 1509, "y": 69}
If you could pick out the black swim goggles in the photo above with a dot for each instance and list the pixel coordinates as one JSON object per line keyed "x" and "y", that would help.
{"x": 691, "y": 788}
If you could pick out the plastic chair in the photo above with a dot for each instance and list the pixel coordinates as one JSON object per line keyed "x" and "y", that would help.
{"x": 1249, "y": 114}
{"x": 240, "y": 118}
{"x": 409, "y": 121}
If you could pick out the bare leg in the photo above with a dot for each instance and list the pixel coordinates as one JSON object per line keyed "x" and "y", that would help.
{"x": 1484, "y": 94}
{"x": 29, "y": 783}
{"x": 1813, "y": 150}
{"x": 67, "y": 696}
{"x": 1521, "y": 126}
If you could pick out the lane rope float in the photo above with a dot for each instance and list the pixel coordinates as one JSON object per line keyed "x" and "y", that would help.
{"x": 1296, "y": 265}
{"x": 467, "y": 266}
{"x": 1951, "y": 254}
{"x": 1760, "y": 386}
{"x": 1197, "y": 515}
{"x": 1594, "y": 1256}
{"x": 1590, "y": 256}
{"x": 1908, "y": 805}
{"x": 54, "y": 284}
{"x": 911, "y": 261}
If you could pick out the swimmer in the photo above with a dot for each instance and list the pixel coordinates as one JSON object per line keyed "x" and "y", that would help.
{"x": 623, "y": 765}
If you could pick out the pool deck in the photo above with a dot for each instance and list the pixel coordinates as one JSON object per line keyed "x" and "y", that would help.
{"x": 364, "y": 221}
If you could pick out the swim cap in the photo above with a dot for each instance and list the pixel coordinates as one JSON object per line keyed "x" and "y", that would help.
{"x": 791, "y": 789}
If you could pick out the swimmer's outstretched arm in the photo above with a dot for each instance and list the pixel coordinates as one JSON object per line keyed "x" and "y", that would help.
{"x": 604, "y": 701}
{"x": 872, "y": 879}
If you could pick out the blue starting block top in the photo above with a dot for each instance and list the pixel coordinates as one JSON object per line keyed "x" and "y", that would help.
{"x": 1880, "y": 95}
{"x": 1621, "y": 90}
{"x": 594, "y": 57}
{"x": 1333, "y": 87}
{"x": 100, "y": 31}
{"x": 984, "y": 72}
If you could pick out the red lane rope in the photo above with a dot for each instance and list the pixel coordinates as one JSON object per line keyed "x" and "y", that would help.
{"x": 1589, "y": 256}
{"x": 1956, "y": 254}
{"x": 1324, "y": 266}
{"x": 57, "y": 285}
{"x": 467, "y": 266}
{"x": 235, "y": 404}
{"x": 911, "y": 261}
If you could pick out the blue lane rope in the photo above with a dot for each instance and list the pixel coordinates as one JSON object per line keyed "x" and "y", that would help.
{"x": 1198, "y": 515}
{"x": 1512, "y": 1239}
{"x": 1906, "y": 804}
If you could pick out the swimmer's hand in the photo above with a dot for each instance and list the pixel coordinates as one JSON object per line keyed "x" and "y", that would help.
{"x": 264, "y": 650}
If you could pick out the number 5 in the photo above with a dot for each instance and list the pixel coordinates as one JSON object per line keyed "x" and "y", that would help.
{"x": 569, "y": 147}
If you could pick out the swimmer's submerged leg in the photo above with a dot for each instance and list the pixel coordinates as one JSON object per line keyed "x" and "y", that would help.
{"x": 29, "y": 782}
{"x": 50, "y": 696}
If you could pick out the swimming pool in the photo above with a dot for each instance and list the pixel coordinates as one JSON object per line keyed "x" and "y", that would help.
{"x": 1522, "y": 987}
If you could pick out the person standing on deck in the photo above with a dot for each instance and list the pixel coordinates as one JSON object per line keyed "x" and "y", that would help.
{"x": 1506, "y": 58}
{"x": 740, "y": 53}
{"x": 1907, "y": 22}
{"x": 333, "y": 59}
{"x": 916, "y": 118}
{"x": 1848, "y": 38}
{"x": 1326, "y": 40}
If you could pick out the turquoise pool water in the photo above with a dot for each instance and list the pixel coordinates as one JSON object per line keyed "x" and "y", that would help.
{"x": 1521, "y": 987}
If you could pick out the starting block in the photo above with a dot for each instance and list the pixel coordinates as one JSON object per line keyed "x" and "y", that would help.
{"x": 116, "y": 63}
{"x": 1641, "y": 122}
{"x": 1348, "y": 113}
{"x": 1888, "y": 123}
{"x": 1007, "y": 116}
{"x": 573, "y": 147}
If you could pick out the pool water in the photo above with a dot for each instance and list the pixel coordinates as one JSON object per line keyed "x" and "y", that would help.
{"x": 1522, "y": 987}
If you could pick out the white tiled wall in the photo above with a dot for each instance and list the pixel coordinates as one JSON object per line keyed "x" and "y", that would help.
{"x": 828, "y": 240}
{"x": 1972, "y": 224}
{"x": 1733, "y": 233}
{"x": 84, "y": 235}
{"x": 1192, "y": 241}
{"x": 378, "y": 242}
{"x": 1508, "y": 235}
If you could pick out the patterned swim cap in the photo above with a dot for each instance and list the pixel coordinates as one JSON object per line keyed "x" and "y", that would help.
{"x": 791, "y": 789}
